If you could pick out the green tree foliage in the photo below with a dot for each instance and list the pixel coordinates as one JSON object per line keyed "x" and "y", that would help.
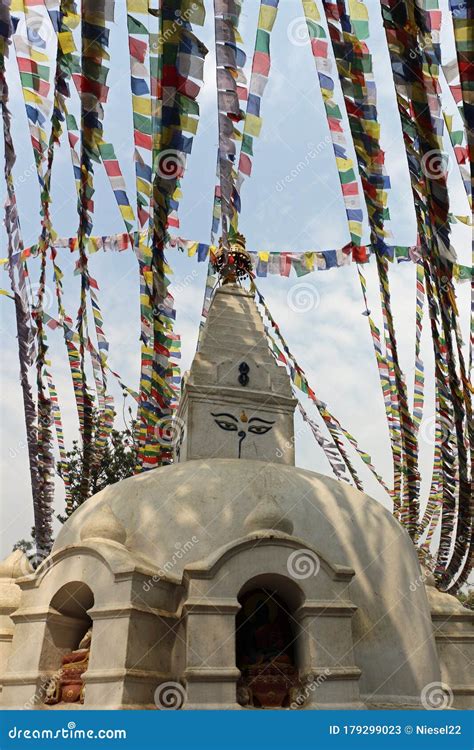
{"x": 466, "y": 597}
{"x": 118, "y": 462}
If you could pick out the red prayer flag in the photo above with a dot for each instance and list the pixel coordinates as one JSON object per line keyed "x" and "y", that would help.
{"x": 27, "y": 66}
{"x": 261, "y": 63}
{"x": 245, "y": 165}
{"x": 137, "y": 49}
{"x": 112, "y": 168}
{"x": 335, "y": 125}
{"x": 319, "y": 47}
{"x": 142, "y": 140}
{"x": 349, "y": 189}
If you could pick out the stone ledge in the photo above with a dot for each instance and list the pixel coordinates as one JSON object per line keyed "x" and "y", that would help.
{"x": 212, "y": 674}
{"x": 115, "y": 675}
{"x": 462, "y": 689}
{"x": 211, "y": 606}
{"x": 333, "y": 673}
{"x": 326, "y": 609}
{"x": 105, "y": 613}
{"x": 458, "y": 637}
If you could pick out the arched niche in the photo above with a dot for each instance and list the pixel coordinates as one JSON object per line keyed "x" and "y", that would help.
{"x": 67, "y": 622}
{"x": 267, "y": 642}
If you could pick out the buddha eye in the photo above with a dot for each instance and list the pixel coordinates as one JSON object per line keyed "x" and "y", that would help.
{"x": 226, "y": 422}
{"x": 259, "y": 429}
{"x": 230, "y": 426}
{"x": 259, "y": 426}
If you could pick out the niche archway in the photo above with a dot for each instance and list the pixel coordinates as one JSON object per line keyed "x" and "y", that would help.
{"x": 266, "y": 643}
{"x": 67, "y": 626}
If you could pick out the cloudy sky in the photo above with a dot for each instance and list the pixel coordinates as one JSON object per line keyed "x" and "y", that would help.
{"x": 331, "y": 340}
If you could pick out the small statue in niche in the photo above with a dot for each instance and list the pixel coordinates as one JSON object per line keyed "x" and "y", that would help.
{"x": 265, "y": 653}
{"x": 67, "y": 685}
{"x": 254, "y": 425}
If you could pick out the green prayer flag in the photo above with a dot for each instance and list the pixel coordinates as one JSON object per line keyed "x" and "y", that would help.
{"x": 262, "y": 42}
{"x": 135, "y": 27}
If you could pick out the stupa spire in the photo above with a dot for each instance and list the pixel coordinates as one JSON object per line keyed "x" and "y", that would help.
{"x": 237, "y": 401}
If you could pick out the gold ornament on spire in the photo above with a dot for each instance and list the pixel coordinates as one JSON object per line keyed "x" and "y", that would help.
{"x": 233, "y": 263}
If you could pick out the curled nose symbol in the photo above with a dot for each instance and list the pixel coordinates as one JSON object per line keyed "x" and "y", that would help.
{"x": 242, "y": 435}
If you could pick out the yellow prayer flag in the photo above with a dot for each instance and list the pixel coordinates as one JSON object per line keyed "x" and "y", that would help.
{"x": 72, "y": 19}
{"x": 127, "y": 213}
{"x": 309, "y": 261}
{"x": 358, "y": 10}
{"x": 311, "y": 10}
{"x": 264, "y": 256}
{"x": 38, "y": 56}
{"x": 66, "y": 42}
{"x": 189, "y": 124}
{"x": 143, "y": 186}
{"x": 137, "y": 6}
{"x": 141, "y": 105}
{"x": 253, "y": 125}
{"x": 97, "y": 19}
{"x": 463, "y": 33}
{"x": 192, "y": 248}
{"x": 194, "y": 11}
{"x": 449, "y": 121}
{"x": 372, "y": 128}
{"x": 354, "y": 227}
{"x": 267, "y": 17}
{"x": 31, "y": 96}
{"x": 171, "y": 32}
{"x": 343, "y": 164}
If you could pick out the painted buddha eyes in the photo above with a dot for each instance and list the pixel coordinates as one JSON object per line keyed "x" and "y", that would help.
{"x": 260, "y": 429}
{"x": 254, "y": 425}
{"x": 225, "y": 424}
